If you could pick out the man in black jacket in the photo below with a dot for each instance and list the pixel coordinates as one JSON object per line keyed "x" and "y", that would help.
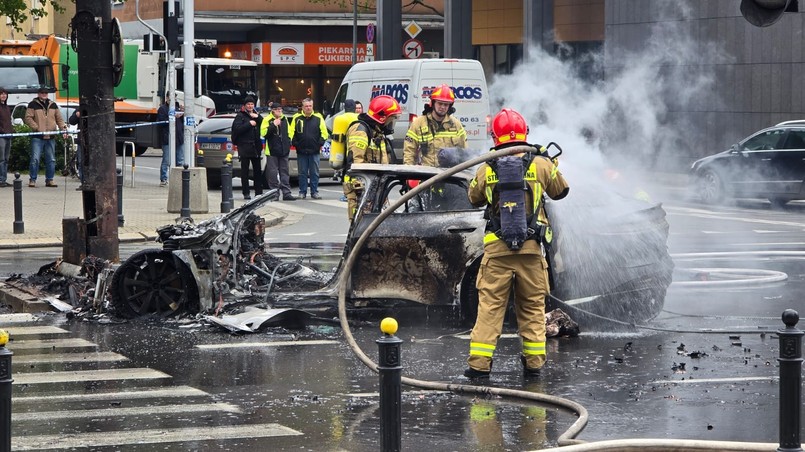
{"x": 308, "y": 134}
{"x": 5, "y": 143}
{"x": 246, "y": 136}
{"x": 278, "y": 148}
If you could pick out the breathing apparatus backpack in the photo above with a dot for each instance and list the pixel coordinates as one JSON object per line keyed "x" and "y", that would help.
{"x": 338, "y": 144}
{"x": 516, "y": 223}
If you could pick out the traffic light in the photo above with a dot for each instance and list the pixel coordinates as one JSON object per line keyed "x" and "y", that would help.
{"x": 762, "y": 13}
{"x": 170, "y": 26}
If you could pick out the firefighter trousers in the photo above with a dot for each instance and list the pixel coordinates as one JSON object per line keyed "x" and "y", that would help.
{"x": 529, "y": 273}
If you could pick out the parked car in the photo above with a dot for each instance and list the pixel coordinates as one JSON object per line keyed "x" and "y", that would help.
{"x": 214, "y": 137}
{"x": 768, "y": 164}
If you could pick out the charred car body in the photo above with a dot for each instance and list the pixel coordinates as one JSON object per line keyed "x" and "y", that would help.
{"x": 426, "y": 252}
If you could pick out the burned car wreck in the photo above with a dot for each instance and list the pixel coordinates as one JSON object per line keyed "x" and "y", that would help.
{"x": 427, "y": 252}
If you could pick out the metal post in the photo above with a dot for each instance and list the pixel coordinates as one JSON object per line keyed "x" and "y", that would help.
{"x": 190, "y": 84}
{"x": 133, "y": 164}
{"x": 185, "y": 212}
{"x": 390, "y": 370}
{"x": 229, "y": 195}
{"x": 5, "y": 393}
{"x": 226, "y": 185}
{"x": 19, "y": 225}
{"x": 200, "y": 159}
{"x": 120, "y": 219}
{"x": 790, "y": 382}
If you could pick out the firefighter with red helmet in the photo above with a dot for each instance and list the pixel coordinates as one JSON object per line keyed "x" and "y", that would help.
{"x": 435, "y": 130}
{"x": 515, "y": 243}
{"x": 367, "y": 143}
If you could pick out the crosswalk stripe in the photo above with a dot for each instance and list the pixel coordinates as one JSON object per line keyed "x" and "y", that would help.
{"x": 31, "y": 330}
{"x": 5, "y": 319}
{"x": 145, "y": 393}
{"x": 87, "y": 375}
{"x": 265, "y": 344}
{"x": 49, "y": 344}
{"x": 158, "y": 410}
{"x": 155, "y": 436}
{"x": 99, "y": 357}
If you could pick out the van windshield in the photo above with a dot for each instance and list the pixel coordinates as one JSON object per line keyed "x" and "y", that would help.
{"x": 26, "y": 79}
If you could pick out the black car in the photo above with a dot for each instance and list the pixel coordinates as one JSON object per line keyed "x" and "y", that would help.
{"x": 768, "y": 164}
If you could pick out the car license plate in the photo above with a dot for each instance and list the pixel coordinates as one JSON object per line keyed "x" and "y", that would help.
{"x": 215, "y": 146}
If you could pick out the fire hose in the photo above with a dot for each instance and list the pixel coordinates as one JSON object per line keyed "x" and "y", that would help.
{"x": 568, "y": 437}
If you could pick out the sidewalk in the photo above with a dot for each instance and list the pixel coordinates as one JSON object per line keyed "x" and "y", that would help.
{"x": 144, "y": 210}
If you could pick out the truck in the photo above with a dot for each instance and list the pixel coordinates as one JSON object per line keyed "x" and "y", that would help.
{"x": 221, "y": 85}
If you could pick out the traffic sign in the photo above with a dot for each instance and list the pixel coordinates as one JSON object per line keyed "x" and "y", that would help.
{"x": 412, "y": 49}
{"x": 413, "y": 29}
{"x": 370, "y": 32}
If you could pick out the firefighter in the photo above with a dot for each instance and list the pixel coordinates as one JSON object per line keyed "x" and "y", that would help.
{"x": 435, "y": 130}
{"x": 367, "y": 143}
{"x": 517, "y": 235}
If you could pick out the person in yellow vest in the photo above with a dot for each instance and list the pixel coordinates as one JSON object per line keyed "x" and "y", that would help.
{"x": 338, "y": 146}
{"x": 517, "y": 235}
{"x": 435, "y": 130}
{"x": 275, "y": 130}
{"x": 367, "y": 143}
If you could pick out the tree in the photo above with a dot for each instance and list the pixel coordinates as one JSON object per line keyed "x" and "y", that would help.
{"x": 18, "y": 12}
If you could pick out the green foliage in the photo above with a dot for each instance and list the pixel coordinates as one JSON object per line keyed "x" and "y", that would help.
{"x": 21, "y": 153}
{"x": 18, "y": 11}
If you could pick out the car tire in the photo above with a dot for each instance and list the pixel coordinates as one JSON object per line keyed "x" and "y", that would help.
{"x": 468, "y": 296}
{"x": 778, "y": 202}
{"x": 213, "y": 179}
{"x": 710, "y": 187}
{"x": 153, "y": 282}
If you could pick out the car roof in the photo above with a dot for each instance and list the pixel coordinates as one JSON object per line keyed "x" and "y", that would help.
{"x": 414, "y": 171}
{"x": 795, "y": 122}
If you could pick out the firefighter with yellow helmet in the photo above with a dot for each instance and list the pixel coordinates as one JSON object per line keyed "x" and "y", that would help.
{"x": 517, "y": 235}
{"x": 367, "y": 143}
{"x": 435, "y": 130}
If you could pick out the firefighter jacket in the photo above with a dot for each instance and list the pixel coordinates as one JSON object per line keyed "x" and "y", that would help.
{"x": 246, "y": 136}
{"x": 308, "y": 133}
{"x": 363, "y": 147}
{"x": 542, "y": 177}
{"x": 426, "y": 137}
{"x": 278, "y": 141}
{"x": 44, "y": 116}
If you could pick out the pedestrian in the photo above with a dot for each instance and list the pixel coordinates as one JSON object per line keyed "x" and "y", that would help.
{"x": 5, "y": 142}
{"x": 515, "y": 244}
{"x": 358, "y": 107}
{"x": 43, "y": 115}
{"x": 435, "y": 130}
{"x": 79, "y": 158}
{"x": 278, "y": 149}
{"x": 163, "y": 114}
{"x": 246, "y": 136}
{"x": 308, "y": 135}
{"x": 367, "y": 143}
{"x": 340, "y": 125}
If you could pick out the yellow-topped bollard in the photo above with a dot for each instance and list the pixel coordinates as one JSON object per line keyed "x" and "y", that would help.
{"x": 388, "y": 326}
{"x": 389, "y": 367}
{"x": 5, "y": 393}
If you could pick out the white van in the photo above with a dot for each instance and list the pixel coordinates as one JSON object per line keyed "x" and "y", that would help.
{"x": 410, "y": 82}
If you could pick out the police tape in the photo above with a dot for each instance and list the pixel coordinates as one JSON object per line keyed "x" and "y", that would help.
{"x": 75, "y": 132}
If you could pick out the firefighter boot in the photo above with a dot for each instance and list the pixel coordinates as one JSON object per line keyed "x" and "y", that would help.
{"x": 527, "y": 371}
{"x": 474, "y": 374}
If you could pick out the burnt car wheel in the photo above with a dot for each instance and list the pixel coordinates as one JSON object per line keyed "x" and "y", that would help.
{"x": 711, "y": 187}
{"x": 153, "y": 282}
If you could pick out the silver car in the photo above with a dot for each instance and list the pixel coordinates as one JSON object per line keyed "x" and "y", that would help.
{"x": 214, "y": 138}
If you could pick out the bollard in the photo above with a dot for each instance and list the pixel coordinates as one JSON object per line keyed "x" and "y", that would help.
{"x": 390, "y": 372}
{"x": 120, "y": 219}
{"x": 5, "y": 393}
{"x": 19, "y": 225}
{"x": 790, "y": 382}
{"x": 226, "y": 185}
{"x": 185, "y": 212}
{"x": 200, "y": 158}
